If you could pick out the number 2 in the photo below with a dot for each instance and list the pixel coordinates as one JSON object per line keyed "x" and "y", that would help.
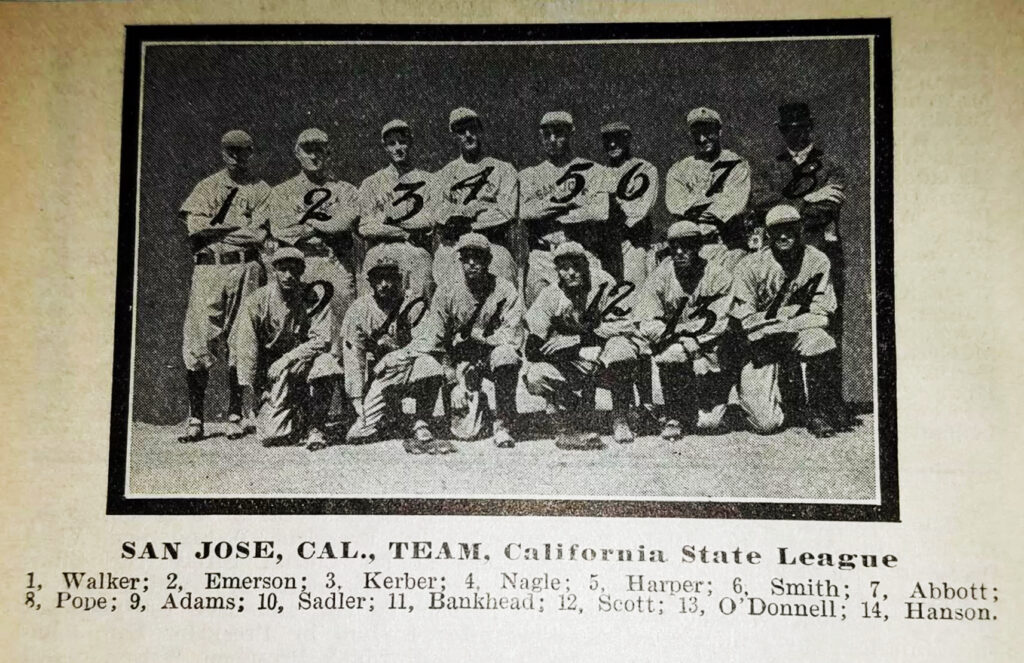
{"x": 313, "y": 212}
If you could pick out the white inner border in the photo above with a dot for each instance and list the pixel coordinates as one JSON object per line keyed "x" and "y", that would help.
{"x": 625, "y": 498}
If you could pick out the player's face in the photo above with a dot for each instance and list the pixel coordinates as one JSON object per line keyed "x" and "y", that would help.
{"x": 386, "y": 284}
{"x": 785, "y": 237}
{"x": 684, "y": 253}
{"x": 289, "y": 274}
{"x": 617, "y": 147}
{"x": 312, "y": 156}
{"x": 796, "y": 136}
{"x": 707, "y": 138}
{"x": 753, "y": 233}
{"x": 398, "y": 145}
{"x": 474, "y": 263}
{"x": 236, "y": 158}
{"x": 555, "y": 139}
{"x": 573, "y": 272}
{"x": 468, "y": 135}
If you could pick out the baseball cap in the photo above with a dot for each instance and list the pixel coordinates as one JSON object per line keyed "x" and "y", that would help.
{"x": 312, "y": 135}
{"x": 395, "y": 125}
{"x": 236, "y": 138}
{"x": 386, "y": 259}
{"x": 473, "y": 241}
{"x": 684, "y": 230}
{"x": 287, "y": 253}
{"x": 703, "y": 114}
{"x": 781, "y": 214}
{"x": 615, "y": 128}
{"x": 461, "y": 114}
{"x": 556, "y": 117}
{"x": 570, "y": 249}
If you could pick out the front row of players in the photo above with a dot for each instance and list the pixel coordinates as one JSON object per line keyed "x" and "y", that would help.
{"x": 713, "y": 319}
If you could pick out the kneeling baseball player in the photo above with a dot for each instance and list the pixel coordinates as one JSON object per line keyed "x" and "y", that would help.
{"x": 281, "y": 343}
{"x": 579, "y": 337}
{"x": 379, "y": 368}
{"x": 477, "y": 323}
{"x": 783, "y": 298}
{"x": 682, "y": 313}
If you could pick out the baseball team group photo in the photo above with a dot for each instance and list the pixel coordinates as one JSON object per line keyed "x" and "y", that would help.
{"x": 534, "y": 270}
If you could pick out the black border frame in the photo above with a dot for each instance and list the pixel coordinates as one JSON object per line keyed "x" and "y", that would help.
{"x": 885, "y": 332}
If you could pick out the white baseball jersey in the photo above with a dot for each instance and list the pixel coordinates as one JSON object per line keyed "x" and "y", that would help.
{"x": 226, "y": 211}
{"x": 581, "y": 182}
{"x": 634, "y": 185}
{"x": 370, "y": 330}
{"x": 553, "y": 314}
{"x": 392, "y": 204}
{"x": 497, "y": 320}
{"x": 487, "y": 191}
{"x": 721, "y": 187}
{"x": 299, "y": 209}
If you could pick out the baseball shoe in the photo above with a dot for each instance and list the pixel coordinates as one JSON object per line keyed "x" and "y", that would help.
{"x": 234, "y": 430}
{"x": 672, "y": 431}
{"x": 818, "y": 425}
{"x": 193, "y": 431}
{"x": 316, "y": 440}
{"x": 621, "y": 431}
{"x": 573, "y": 441}
{"x": 502, "y": 437}
{"x": 421, "y": 441}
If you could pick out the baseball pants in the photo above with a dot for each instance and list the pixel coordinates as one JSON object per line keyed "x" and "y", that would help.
{"x": 500, "y": 365}
{"x": 613, "y": 364}
{"x": 213, "y": 303}
{"x": 296, "y": 400}
{"x": 397, "y": 375}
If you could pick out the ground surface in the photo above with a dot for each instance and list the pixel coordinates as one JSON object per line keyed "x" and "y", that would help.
{"x": 736, "y": 465}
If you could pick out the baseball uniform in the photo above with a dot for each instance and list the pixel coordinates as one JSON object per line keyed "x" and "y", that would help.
{"x": 225, "y": 227}
{"x": 281, "y": 347}
{"x": 634, "y": 186}
{"x": 487, "y": 192}
{"x": 784, "y": 315}
{"x": 580, "y": 184}
{"x": 396, "y": 210}
{"x": 479, "y": 336}
{"x": 682, "y": 326}
{"x": 319, "y": 219}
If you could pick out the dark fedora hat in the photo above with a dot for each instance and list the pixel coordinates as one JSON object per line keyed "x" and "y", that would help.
{"x": 795, "y": 114}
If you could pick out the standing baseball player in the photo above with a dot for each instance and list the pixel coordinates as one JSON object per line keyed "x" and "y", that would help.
{"x": 711, "y": 186}
{"x": 281, "y": 343}
{"x": 683, "y": 313}
{"x": 473, "y": 193}
{"x": 379, "y": 370}
{"x": 396, "y": 210}
{"x": 783, "y": 299}
{"x": 579, "y": 337}
{"x": 317, "y": 214}
{"x": 476, "y": 323}
{"x": 225, "y": 232}
{"x": 810, "y": 180}
{"x": 564, "y": 198}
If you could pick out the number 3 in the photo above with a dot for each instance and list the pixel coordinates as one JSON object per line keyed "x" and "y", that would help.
{"x": 409, "y": 189}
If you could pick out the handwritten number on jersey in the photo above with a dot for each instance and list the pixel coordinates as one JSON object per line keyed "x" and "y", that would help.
{"x": 318, "y": 302}
{"x": 466, "y": 329}
{"x": 573, "y": 175}
{"x": 473, "y": 183}
{"x": 592, "y": 317}
{"x": 800, "y": 297}
{"x": 632, "y": 185}
{"x": 403, "y": 316}
{"x": 719, "y": 182}
{"x": 804, "y": 180}
{"x": 315, "y": 199}
{"x": 409, "y": 190}
{"x": 701, "y": 310}
{"x": 222, "y": 213}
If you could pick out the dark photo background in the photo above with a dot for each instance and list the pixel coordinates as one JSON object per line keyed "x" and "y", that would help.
{"x": 194, "y": 93}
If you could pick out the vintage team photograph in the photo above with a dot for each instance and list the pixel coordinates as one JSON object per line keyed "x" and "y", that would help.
{"x": 602, "y": 270}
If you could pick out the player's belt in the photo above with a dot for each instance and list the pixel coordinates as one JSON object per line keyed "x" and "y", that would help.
{"x": 226, "y": 258}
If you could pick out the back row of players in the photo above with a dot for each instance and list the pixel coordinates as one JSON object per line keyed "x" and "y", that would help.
{"x": 717, "y": 307}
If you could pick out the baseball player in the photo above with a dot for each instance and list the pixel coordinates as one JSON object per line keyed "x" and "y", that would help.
{"x": 396, "y": 210}
{"x": 281, "y": 343}
{"x": 317, "y": 214}
{"x": 225, "y": 232}
{"x": 713, "y": 185}
{"x": 783, "y": 299}
{"x": 578, "y": 335}
{"x": 634, "y": 186}
{"x": 379, "y": 370}
{"x": 682, "y": 313}
{"x": 564, "y": 198}
{"x": 477, "y": 324}
{"x": 810, "y": 180}
{"x": 473, "y": 193}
